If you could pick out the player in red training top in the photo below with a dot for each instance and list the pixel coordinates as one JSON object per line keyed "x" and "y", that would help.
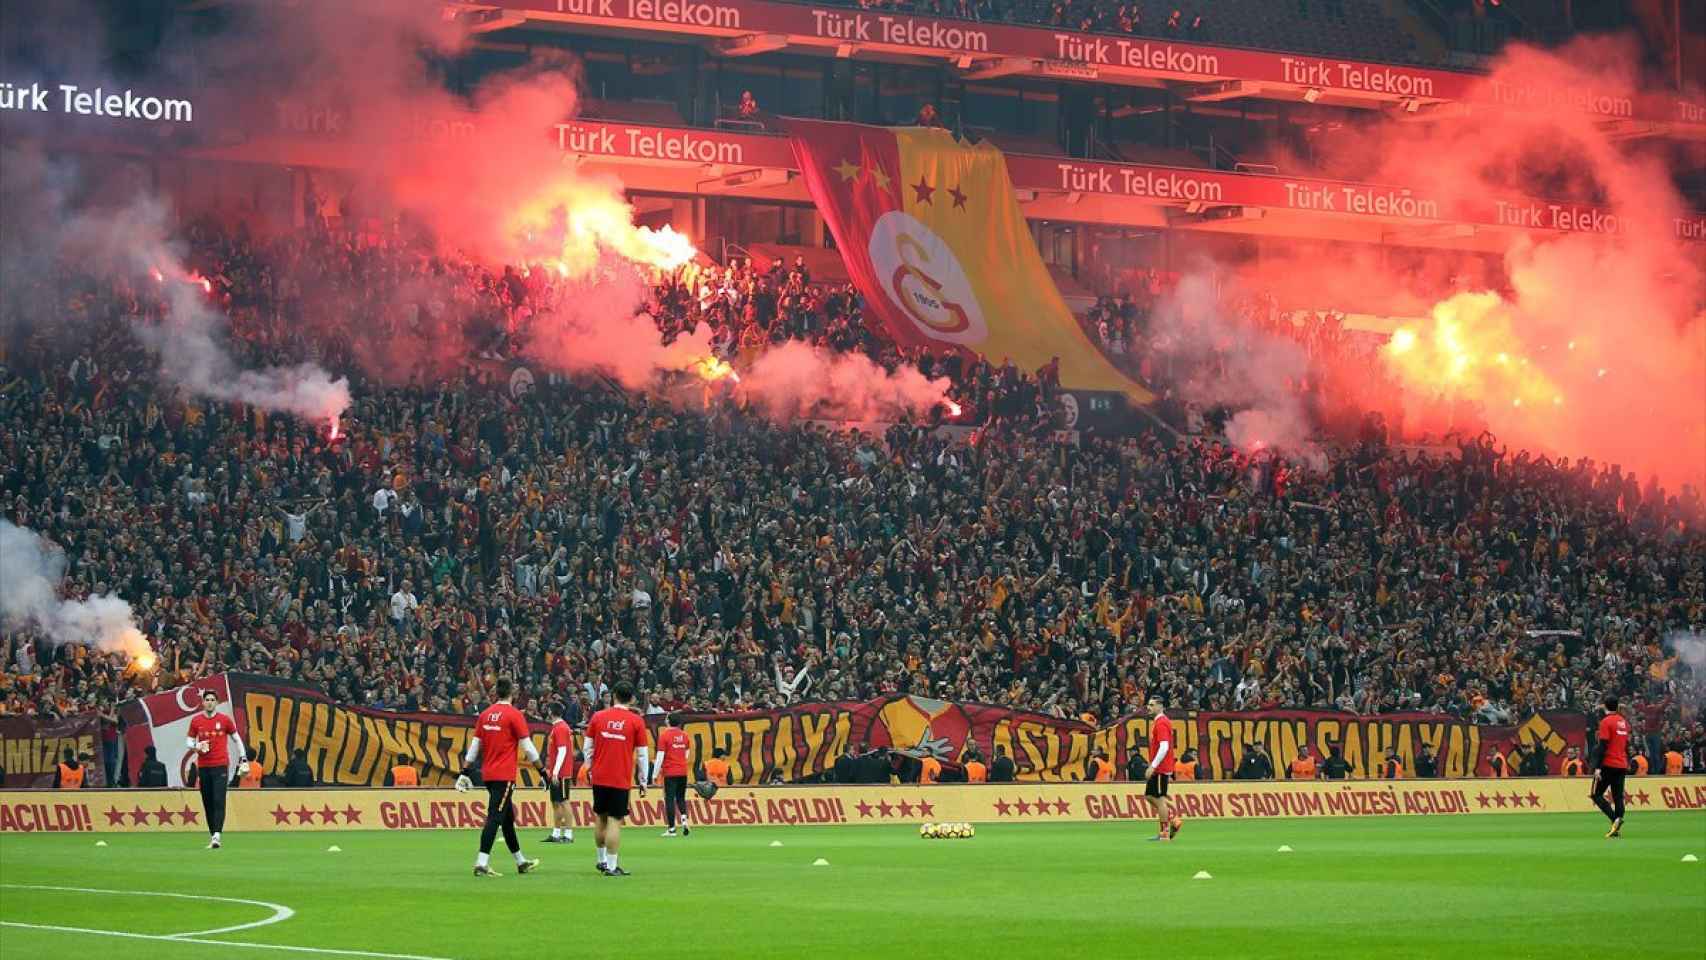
{"x": 560, "y": 775}
{"x": 497, "y": 733}
{"x": 1612, "y": 766}
{"x": 615, "y": 736}
{"x": 209, "y": 730}
{"x": 1163, "y": 754}
{"x": 675, "y": 752}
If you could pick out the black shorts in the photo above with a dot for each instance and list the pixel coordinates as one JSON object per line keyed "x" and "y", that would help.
{"x": 1609, "y": 778}
{"x": 559, "y": 791}
{"x": 1156, "y": 785}
{"x": 610, "y": 802}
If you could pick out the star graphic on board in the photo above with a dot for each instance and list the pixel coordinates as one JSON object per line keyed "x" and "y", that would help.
{"x": 328, "y": 815}
{"x": 1534, "y": 800}
{"x": 1499, "y": 799}
{"x": 138, "y": 815}
{"x": 164, "y": 816}
{"x": 1062, "y": 806}
{"x": 885, "y": 808}
{"x": 1002, "y": 806}
{"x": 1042, "y": 806}
{"x": 304, "y": 815}
{"x": 878, "y": 175}
{"x": 921, "y": 190}
{"x": 863, "y": 808}
{"x": 1642, "y": 798}
{"x": 352, "y": 815}
{"x": 189, "y": 815}
{"x": 1481, "y": 799}
{"x": 848, "y": 170}
{"x": 905, "y": 809}
{"x": 115, "y": 817}
{"x": 1516, "y": 799}
{"x": 925, "y": 809}
{"x": 1024, "y": 808}
{"x": 959, "y": 198}
{"x": 280, "y": 815}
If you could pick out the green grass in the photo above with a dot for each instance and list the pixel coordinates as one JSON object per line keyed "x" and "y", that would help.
{"x": 1511, "y": 886}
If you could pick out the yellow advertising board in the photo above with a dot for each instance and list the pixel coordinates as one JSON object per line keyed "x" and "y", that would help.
{"x": 135, "y": 811}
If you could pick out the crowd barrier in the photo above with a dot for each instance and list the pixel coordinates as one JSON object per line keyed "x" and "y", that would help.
{"x": 146, "y": 811}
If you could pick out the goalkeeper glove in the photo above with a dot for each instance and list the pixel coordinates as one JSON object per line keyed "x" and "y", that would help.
{"x": 463, "y": 784}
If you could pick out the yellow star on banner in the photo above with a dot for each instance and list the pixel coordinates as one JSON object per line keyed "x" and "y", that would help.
{"x": 848, "y": 169}
{"x": 878, "y": 175}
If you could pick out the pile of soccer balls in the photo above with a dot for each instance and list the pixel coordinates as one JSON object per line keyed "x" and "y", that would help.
{"x": 947, "y": 831}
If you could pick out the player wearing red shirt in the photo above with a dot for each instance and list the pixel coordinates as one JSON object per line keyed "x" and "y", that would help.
{"x": 209, "y": 730}
{"x": 615, "y": 737}
{"x": 675, "y": 750}
{"x": 1613, "y": 766}
{"x": 499, "y": 730}
{"x": 560, "y": 775}
{"x": 1163, "y": 755}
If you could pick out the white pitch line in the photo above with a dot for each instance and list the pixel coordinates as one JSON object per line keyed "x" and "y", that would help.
{"x": 217, "y": 943}
{"x": 280, "y": 912}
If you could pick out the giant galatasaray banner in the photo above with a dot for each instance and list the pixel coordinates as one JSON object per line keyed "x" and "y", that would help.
{"x": 31, "y": 748}
{"x": 356, "y": 746}
{"x": 803, "y": 741}
{"x": 935, "y": 241}
{"x": 305, "y": 811}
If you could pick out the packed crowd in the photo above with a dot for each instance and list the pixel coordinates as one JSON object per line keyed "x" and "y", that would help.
{"x": 457, "y": 531}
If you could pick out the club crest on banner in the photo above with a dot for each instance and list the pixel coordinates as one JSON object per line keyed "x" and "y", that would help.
{"x": 920, "y": 274}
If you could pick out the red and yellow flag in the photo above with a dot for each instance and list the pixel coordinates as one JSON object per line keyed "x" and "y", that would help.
{"x": 936, "y": 243}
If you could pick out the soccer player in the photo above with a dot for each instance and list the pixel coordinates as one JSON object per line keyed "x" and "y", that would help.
{"x": 559, "y": 775}
{"x": 1163, "y": 755}
{"x": 615, "y": 736}
{"x": 209, "y": 730}
{"x": 500, "y": 729}
{"x": 674, "y": 760}
{"x": 1611, "y": 766}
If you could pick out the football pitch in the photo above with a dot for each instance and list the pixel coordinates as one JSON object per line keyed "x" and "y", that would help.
{"x": 1511, "y": 886}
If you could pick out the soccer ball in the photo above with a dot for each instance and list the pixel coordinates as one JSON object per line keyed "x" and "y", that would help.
{"x": 971, "y": 831}
{"x": 927, "y": 831}
{"x": 957, "y": 831}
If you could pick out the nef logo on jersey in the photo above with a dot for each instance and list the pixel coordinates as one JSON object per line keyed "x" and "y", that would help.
{"x": 921, "y": 275}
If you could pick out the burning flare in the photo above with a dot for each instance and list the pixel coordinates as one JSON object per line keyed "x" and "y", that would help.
{"x": 711, "y": 369}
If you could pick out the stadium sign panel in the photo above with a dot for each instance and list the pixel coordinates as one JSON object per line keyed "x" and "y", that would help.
{"x": 304, "y": 811}
{"x": 1157, "y": 184}
{"x": 1112, "y": 56}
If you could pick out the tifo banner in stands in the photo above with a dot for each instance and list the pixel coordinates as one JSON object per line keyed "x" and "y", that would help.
{"x": 162, "y": 721}
{"x": 803, "y": 741}
{"x": 167, "y": 811}
{"x": 31, "y": 748}
{"x": 934, "y": 239}
{"x": 353, "y": 746}
{"x": 356, "y": 746}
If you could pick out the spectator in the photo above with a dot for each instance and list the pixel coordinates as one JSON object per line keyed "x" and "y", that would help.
{"x": 1001, "y": 771}
{"x": 1427, "y": 768}
{"x": 1335, "y": 768}
{"x": 152, "y": 773}
{"x": 297, "y": 773}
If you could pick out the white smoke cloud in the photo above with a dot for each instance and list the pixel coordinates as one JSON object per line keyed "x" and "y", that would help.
{"x": 31, "y": 568}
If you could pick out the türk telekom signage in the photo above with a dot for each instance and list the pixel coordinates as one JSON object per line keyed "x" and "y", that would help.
{"x": 1165, "y": 185}
{"x": 1110, "y": 56}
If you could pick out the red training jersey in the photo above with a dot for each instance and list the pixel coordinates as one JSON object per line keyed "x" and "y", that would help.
{"x": 1161, "y": 732}
{"x": 673, "y": 744}
{"x": 560, "y": 752}
{"x": 501, "y": 727}
{"x": 616, "y": 732}
{"x": 214, "y": 730}
{"x": 1614, "y": 733}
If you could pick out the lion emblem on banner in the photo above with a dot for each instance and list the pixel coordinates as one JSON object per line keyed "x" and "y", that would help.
{"x": 921, "y": 275}
{"x": 920, "y": 726}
